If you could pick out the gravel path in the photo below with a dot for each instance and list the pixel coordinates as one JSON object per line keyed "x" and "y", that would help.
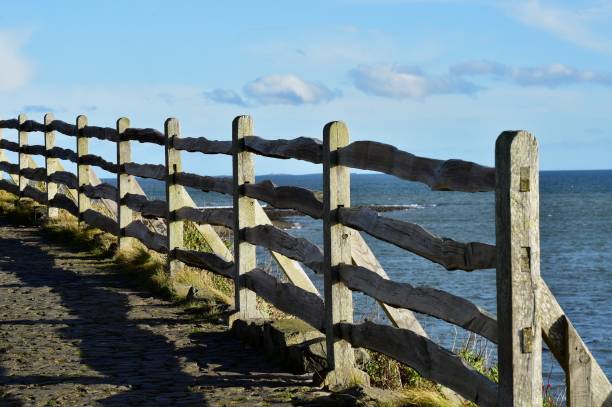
{"x": 73, "y": 332}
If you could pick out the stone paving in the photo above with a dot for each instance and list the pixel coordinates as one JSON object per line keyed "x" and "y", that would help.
{"x": 74, "y": 332}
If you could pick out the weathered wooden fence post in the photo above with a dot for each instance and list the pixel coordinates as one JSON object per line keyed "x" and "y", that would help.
{"x": 2, "y": 155}
{"x": 337, "y": 251}
{"x": 24, "y": 159}
{"x": 244, "y": 216}
{"x": 83, "y": 178}
{"x": 124, "y": 184}
{"x": 518, "y": 269}
{"x": 50, "y": 166}
{"x": 174, "y": 198}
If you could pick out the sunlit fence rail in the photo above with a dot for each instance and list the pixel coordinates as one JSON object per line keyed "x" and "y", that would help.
{"x": 527, "y": 310}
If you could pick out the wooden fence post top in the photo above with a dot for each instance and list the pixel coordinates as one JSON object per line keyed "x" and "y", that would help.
{"x": 171, "y": 127}
{"x": 81, "y": 121}
{"x": 49, "y": 118}
{"x": 122, "y": 124}
{"x": 22, "y": 118}
{"x": 508, "y": 137}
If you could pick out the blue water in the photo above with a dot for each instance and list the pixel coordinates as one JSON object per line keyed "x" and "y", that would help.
{"x": 576, "y": 246}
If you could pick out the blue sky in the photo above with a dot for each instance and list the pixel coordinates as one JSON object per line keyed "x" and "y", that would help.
{"x": 437, "y": 78}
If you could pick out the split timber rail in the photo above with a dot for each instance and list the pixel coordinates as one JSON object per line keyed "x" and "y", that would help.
{"x": 527, "y": 310}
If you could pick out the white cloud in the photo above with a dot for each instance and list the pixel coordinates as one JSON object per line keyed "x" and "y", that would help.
{"x": 573, "y": 25}
{"x": 405, "y": 82}
{"x": 552, "y": 75}
{"x": 15, "y": 69}
{"x": 288, "y": 90}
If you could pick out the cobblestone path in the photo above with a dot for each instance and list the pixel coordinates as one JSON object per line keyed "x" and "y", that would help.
{"x": 73, "y": 333}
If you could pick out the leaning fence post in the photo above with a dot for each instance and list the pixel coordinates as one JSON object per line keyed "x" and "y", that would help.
{"x": 174, "y": 199}
{"x": 83, "y": 178}
{"x": 50, "y": 166}
{"x": 244, "y": 216}
{"x": 337, "y": 251}
{"x": 23, "y": 157}
{"x": 124, "y": 184}
{"x": 518, "y": 269}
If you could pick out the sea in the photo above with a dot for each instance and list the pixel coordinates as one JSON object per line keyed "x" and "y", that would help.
{"x": 576, "y": 249}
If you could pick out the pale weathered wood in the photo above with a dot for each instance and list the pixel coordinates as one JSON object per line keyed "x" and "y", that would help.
{"x": 154, "y": 171}
{"x": 100, "y": 221}
{"x": 145, "y": 136}
{"x": 337, "y": 248}
{"x": 204, "y": 146}
{"x": 287, "y": 297}
{"x": 426, "y": 300}
{"x": 125, "y": 183}
{"x": 153, "y": 240}
{"x": 206, "y": 216}
{"x": 101, "y": 133}
{"x": 301, "y": 148}
{"x": 244, "y": 217}
{"x": 62, "y": 201}
{"x": 204, "y": 183}
{"x": 556, "y": 329}
{"x": 286, "y": 197}
{"x": 282, "y": 242}
{"x": 207, "y": 261}
{"x": 23, "y": 158}
{"x": 63, "y": 127}
{"x": 83, "y": 170}
{"x": 148, "y": 208}
{"x": 451, "y": 254}
{"x": 425, "y": 356}
{"x": 518, "y": 269}
{"x": 292, "y": 269}
{"x": 439, "y": 175}
{"x": 62, "y": 153}
{"x": 92, "y": 159}
{"x": 65, "y": 178}
{"x": 101, "y": 191}
{"x": 174, "y": 198}
{"x": 50, "y": 167}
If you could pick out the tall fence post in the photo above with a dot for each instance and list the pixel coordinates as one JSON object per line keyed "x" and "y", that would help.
{"x": 23, "y": 157}
{"x": 83, "y": 178}
{"x": 244, "y": 216}
{"x": 2, "y": 155}
{"x": 174, "y": 199}
{"x": 337, "y": 251}
{"x": 124, "y": 184}
{"x": 50, "y": 166}
{"x": 518, "y": 269}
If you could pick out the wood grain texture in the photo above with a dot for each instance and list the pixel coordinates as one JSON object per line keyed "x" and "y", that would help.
{"x": 301, "y": 148}
{"x": 83, "y": 170}
{"x": 203, "y": 145}
{"x": 147, "y": 208}
{"x": 101, "y": 191}
{"x": 337, "y": 248}
{"x": 426, "y": 300}
{"x": 100, "y": 221}
{"x": 449, "y": 253}
{"x": 62, "y": 153}
{"x": 439, "y": 175}
{"x": 125, "y": 184}
{"x": 206, "y": 216}
{"x": 152, "y": 240}
{"x": 154, "y": 171}
{"x": 101, "y": 133}
{"x": 518, "y": 269}
{"x": 279, "y": 241}
{"x": 288, "y": 298}
{"x": 62, "y": 201}
{"x": 286, "y": 197}
{"x": 63, "y": 127}
{"x": 204, "y": 183}
{"x": 425, "y": 356}
{"x": 243, "y": 168}
{"x": 92, "y": 159}
{"x": 206, "y": 261}
{"x": 64, "y": 178}
{"x": 174, "y": 197}
{"x": 145, "y": 136}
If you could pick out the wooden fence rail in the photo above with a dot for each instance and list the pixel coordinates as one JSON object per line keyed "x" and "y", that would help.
{"x": 527, "y": 311}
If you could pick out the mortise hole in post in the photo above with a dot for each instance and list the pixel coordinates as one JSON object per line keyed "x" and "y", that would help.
{"x": 524, "y": 179}
{"x": 527, "y": 339}
{"x": 526, "y": 259}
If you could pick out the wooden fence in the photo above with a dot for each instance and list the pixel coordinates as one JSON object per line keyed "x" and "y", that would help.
{"x": 527, "y": 310}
